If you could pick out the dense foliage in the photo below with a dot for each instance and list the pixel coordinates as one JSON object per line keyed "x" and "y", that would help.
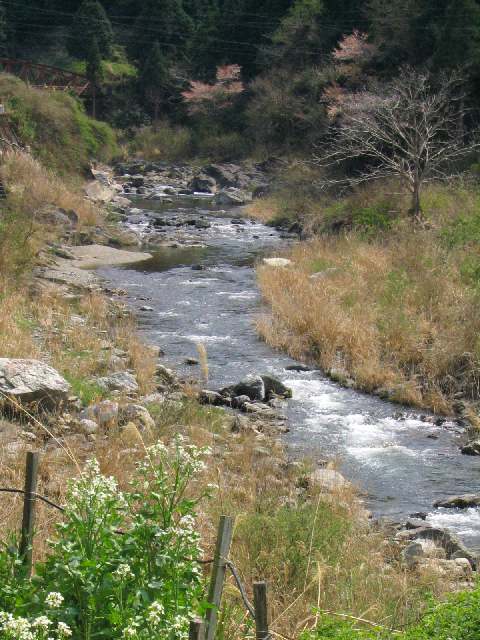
{"x": 293, "y": 54}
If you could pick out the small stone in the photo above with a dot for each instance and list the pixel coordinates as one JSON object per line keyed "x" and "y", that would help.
{"x": 120, "y": 381}
{"x": 191, "y": 362}
{"x": 88, "y": 427}
{"x": 146, "y": 308}
{"x": 277, "y": 262}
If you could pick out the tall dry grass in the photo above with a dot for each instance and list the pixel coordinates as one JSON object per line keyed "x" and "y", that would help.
{"x": 32, "y": 187}
{"x": 394, "y": 313}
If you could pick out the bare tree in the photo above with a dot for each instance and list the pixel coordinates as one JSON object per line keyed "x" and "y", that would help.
{"x": 410, "y": 130}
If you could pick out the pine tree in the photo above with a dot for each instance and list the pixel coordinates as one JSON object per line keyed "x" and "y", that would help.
{"x": 155, "y": 79}
{"x": 204, "y": 45}
{"x": 94, "y": 71}
{"x": 4, "y": 31}
{"x": 90, "y": 21}
{"x": 459, "y": 41}
{"x": 166, "y": 23}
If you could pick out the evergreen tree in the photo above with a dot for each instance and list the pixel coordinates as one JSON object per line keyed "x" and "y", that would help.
{"x": 204, "y": 45}
{"x": 459, "y": 39}
{"x": 90, "y": 22}
{"x": 166, "y": 23}
{"x": 4, "y": 31}
{"x": 300, "y": 40}
{"x": 155, "y": 80}
{"x": 94, "y": 71}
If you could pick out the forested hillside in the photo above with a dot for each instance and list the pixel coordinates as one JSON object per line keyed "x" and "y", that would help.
{"x": 293, "y": 57}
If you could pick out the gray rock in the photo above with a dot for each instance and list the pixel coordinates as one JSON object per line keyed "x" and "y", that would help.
{"x": 191, "y": 362}
{"x": 120, "y": 381}
{"x": 459, "y": 502}
{"x": 274, "y": 386}
{"x": 88, "y": 426}
{"x": 239, "y": 401}
{"x": 138, "y": 414}
{"x": 203, "y": 184}
{"x": 232, "y": 196}
{"x": 99, "y": 192}
{"x": 328, "y": 479}
{"x": 211, "y": 397}
{"x": 298, "y": 367}
{"x": 168, "y": 375}
{"x": 32, "y": 381}
{"x": 202, "y": 224}
{"x": 471, "y": 448}
{"x": 251, "y": 386}
{"x": 442, "y": 538}
{"x": 105, "y": 413}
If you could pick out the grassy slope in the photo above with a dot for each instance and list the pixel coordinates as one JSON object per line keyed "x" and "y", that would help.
{"x": 397, "y": 307}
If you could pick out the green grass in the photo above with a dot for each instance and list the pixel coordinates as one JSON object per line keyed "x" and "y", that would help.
{"x": 88, "y": 392}
{"x": 55, "y": 126}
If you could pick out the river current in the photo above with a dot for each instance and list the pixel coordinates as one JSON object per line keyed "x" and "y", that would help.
{"x": 207, "y": 294}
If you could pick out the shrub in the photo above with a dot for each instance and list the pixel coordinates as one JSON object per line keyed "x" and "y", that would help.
{"x": 164, "y": 142}
{"x": 142, "y": 583}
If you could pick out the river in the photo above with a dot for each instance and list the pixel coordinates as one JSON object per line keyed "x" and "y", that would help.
{"x": 208, "y": 294}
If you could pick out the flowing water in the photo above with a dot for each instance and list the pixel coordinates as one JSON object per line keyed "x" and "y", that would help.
{"x": 400, "y": 463}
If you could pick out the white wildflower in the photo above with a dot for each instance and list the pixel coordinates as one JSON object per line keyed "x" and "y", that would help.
{"x": 129, "y": 632}
{"x": 54, "y": 599}
{"x": 41, "y": 622}
{"x": 155, "y": 612}
{"x": 123, "y": 572}
{"x": 63, "y": 630}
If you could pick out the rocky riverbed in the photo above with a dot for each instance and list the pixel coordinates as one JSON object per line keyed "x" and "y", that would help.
{"x": 196, "y": 286}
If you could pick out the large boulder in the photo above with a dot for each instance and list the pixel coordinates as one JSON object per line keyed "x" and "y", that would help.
{"x": 32, "y": 381}
{"x": 328, "y": 480}
{"x": 442, "y": 538}
{"x": 203, "y": 184}
{"x": 251, "y": 386}
{"x": 99, "y": 192}
{"x": 463, "y": 501}
{"x": 232, "y": 197}
{"x": 275, "y": 387}
{"x": 227, "y": 175}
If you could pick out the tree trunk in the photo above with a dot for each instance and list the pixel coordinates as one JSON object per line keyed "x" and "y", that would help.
{"x": 416, "y": 208}
{"x": 94, "y": 101}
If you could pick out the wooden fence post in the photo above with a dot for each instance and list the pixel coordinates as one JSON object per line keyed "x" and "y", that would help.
{"x": 28, "y": 518}
{"x": 197, "y": 630}
{"x": 222, "y": 549}
{"x": 261, "y": 612}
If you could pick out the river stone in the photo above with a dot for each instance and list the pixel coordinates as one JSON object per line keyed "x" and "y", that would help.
{"x": 139, "y": 415}
{"x": 211, "y": 397}
{"x": 442, "y": 538}
{"x": 274, "y": 386}
{"x": 232, "y": 196}
{"x": 105, "y": 413}
{"x": 471, "y": 448}
{"x": 419, "y": 550}
{"x": 298, "y": 367}
{"x": 277, "y": 262}
{"x": 32, "y": 381}
{"x": 328, "y": 479}
{"x": 459, "y": 502}
{"x": 120, "y": 381}
{"x": 203, "y": 184}
{"x": 251, "y": 386}
{"x": 88, "y": 427}
{"x": 239, "y": 401}
{"x": 99, "y": 192}
{"x": 168, "y": 375}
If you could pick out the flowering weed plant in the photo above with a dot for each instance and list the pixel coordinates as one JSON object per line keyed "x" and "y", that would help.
{"x": 123, "y": 564}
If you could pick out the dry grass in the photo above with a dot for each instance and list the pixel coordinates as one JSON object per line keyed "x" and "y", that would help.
{"x": 399, "y": 312}
{"x": 314, "y": 549}
{"x": 32, "y": 187}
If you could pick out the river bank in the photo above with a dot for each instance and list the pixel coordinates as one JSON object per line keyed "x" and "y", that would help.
{"x": 126, "y": 395}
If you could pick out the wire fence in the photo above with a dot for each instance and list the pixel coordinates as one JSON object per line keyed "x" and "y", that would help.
{"x": 199, "y": 629}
